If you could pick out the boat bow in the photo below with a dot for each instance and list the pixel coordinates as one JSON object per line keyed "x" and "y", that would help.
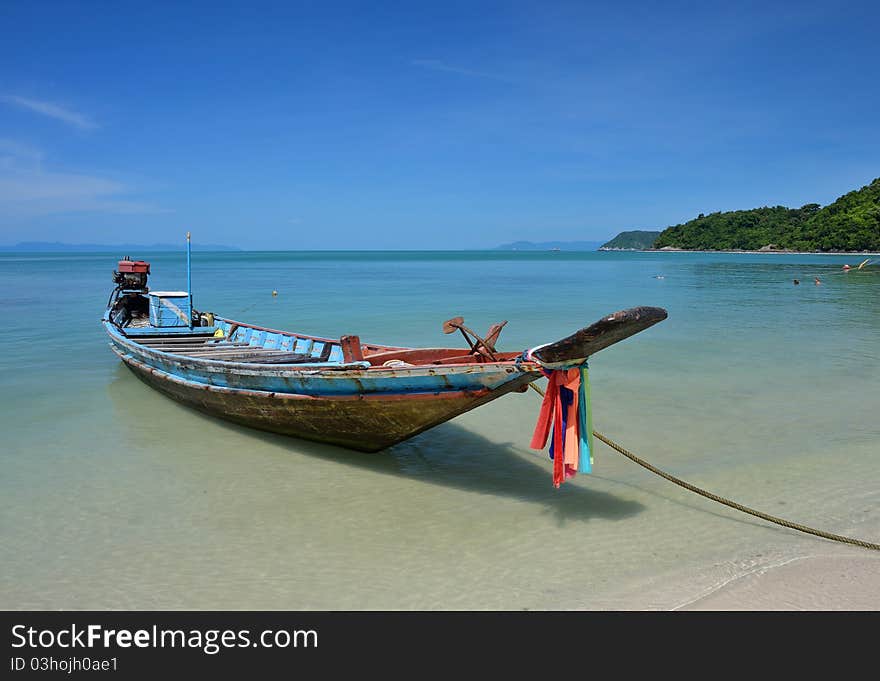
{"x": 575, "y": 349}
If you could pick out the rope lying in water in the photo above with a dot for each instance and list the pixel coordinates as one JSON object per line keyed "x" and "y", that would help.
{"x": 733, "y": 504}
{"x": 727, "y": 502}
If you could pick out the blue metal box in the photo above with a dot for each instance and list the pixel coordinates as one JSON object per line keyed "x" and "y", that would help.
{"x": 170, "y": 308}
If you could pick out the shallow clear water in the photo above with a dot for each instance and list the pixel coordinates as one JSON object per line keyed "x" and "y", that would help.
{"x": 113, "y": 496}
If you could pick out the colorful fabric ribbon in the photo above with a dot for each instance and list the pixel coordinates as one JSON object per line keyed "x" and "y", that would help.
{"x": 565, "y": 412}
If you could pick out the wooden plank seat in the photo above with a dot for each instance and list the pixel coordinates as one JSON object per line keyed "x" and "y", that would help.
{"x": 210, "y": 347}
{"x": 179, "y": 341}
{"x": 257, "y": 357}
{"x": 179, "y": 347}
{"x": 170, "y": 338}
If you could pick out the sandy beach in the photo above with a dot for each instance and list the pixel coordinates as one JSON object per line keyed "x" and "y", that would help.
{"x": 844, "y": 582}
{"x": 670, "y": 249}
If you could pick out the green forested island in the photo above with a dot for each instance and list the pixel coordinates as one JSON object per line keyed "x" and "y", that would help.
{"x": 637, "y": 240}
{"x": 852, "y": 223}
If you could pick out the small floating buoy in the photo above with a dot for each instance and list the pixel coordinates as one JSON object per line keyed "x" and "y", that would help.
{"x": 846, "y": 267}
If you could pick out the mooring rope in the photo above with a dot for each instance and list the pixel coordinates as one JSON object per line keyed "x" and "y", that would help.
{"x": 733, "y": 504}
{"x": 727, "y": 502}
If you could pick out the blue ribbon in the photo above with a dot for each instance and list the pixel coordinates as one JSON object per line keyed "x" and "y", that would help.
{"x": 585, "y": 424}
{"x": 585, "y": 421}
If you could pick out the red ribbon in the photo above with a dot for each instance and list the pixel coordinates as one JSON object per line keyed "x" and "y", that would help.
{"x": 550, "y": 416}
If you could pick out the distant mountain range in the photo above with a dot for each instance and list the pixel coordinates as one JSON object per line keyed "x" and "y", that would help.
{"x": 550, "y": 246}
{"x": 58, "y": 247}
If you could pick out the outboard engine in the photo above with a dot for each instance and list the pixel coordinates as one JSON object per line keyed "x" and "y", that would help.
{"x": 128, "y": 301}
{"x": 132, "y": 275}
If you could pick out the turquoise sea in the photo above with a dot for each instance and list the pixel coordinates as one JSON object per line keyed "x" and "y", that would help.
{"x": 115, "y": 497}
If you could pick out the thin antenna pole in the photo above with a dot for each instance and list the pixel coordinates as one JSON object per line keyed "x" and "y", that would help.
{"x": 189, "y": 288}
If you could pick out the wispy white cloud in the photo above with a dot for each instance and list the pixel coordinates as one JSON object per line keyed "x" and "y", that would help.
{"x": 437, "y": 65}
{"x": 51, "y": 110}
{"x": 27, "y": 188}
{"x": 14, "y": 154}
{"x": 40, "y": 185}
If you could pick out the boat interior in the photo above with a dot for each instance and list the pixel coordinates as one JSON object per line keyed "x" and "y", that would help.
{"x": 209, "y": 337}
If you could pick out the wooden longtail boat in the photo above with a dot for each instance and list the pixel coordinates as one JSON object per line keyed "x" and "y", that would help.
{"x": 363, "y": 396}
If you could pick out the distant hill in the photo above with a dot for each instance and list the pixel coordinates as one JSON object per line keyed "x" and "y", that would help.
{"x": 550, "y": 246}
{"x": 58, "y": 247}
{"x": 635, "y": 240}
{"x": 851, "y": 223}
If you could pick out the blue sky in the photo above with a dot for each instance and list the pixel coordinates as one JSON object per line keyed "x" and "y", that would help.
{"x": 420, "y": 125}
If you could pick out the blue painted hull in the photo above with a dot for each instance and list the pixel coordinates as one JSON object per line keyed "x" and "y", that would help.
{"x": 352, "y": 404}
{"x": 341, "y": 391}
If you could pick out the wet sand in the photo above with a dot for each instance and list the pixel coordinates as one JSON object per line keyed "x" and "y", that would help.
{"x": 806, "y": 583}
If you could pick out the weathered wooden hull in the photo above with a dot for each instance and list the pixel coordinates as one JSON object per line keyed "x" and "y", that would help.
{"x": 363, "y": 396}
{"x": 367, "y": 423}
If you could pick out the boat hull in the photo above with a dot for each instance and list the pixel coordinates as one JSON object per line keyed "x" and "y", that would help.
{"x": 362, "y": 396}
{"x": 367, "y": 423}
